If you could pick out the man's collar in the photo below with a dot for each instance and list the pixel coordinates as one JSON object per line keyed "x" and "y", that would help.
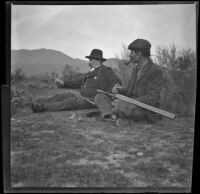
{"x": 143, "y": 64}
{"x": 94, "y": 68}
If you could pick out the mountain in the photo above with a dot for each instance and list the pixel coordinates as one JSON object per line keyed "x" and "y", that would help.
{"x": 43, "y": 60}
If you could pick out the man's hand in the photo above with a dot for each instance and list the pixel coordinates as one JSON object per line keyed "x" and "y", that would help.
{"x": 114, "y": 102}
{"x": 59, "y": 82}
{"x": 115, "y": 88}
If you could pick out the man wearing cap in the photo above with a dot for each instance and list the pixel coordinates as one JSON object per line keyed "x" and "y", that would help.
{"x": 145, "y": 86}
{"x": 99, "y": 77}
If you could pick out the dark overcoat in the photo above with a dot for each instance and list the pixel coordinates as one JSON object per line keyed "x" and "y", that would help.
{"x": 102, "y": 78}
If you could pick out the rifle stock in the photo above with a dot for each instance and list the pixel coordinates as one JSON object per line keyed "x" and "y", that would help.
{"x": 141, "y": 104}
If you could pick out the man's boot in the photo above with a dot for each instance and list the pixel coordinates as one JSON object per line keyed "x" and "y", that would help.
{"x": 36, "y": 107}
{"x": 122, "y": 122}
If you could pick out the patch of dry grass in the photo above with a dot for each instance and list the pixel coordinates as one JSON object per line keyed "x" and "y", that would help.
{"x": 53, "y": 149}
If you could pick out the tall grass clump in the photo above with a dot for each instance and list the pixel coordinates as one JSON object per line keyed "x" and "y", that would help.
{"x": 179, "y": 68}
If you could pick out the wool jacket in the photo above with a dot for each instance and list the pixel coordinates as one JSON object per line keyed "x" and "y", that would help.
{"x": 147, "y": 86}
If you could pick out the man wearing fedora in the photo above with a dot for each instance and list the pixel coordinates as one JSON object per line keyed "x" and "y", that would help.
{"x": 99, "y": 77}
{"x": 145, "y": 86}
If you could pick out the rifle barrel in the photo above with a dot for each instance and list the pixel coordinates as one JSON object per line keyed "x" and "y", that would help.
{"x": 146, "y": 106}
{"x": 101, "y": 91}
{"x": 76, "y": 93}
{"x": 141, "y": 104}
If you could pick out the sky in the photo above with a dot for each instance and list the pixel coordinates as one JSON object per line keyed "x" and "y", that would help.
{"x": 77, "y": 29}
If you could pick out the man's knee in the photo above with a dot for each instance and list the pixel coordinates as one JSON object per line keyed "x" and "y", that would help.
{"x": 101, "y": 98}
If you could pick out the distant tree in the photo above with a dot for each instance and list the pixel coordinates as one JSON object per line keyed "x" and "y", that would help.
{"x": 124, "y": 70}
{"x": 54, "y": 74}
{"x": 177, "y": 59}
{"x": 47, "y": 74}
{"x": 18, "y": 74}
{"x": 69, "y": 72}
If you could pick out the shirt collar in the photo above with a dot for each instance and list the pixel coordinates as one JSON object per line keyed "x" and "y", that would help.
{"x": 142, "y": 65}
{"x": 94, "y": 68}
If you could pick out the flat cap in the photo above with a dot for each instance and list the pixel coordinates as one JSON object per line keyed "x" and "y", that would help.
{"x": 139, "y": 44}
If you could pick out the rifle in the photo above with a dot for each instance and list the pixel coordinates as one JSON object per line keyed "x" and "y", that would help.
{"x": 76, "y": 93}
{"x": 57, "y": 80}
{"x": 140, "y": 104}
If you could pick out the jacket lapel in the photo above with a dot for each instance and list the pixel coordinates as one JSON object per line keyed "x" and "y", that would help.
{"x": 132, "y": 82}
{"x": 92, "y": 73}
{"x": 144, "y": 70}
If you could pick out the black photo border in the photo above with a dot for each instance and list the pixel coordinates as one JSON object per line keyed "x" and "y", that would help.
{"x": 5, "y": 110}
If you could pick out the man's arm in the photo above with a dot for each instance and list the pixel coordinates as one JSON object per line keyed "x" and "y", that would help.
{"x": 123, "y": 91}
{"x": 74, "y": 83}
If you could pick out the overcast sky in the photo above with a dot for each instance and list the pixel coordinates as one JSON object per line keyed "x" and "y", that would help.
{"x": 77, "y": 29}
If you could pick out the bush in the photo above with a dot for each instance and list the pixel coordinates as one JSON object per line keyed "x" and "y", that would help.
{"x": 18, "y": 74}
{"x": 19, "y": 98}
{"x": 69, "y": 72}
{"x": 179, "y": 67}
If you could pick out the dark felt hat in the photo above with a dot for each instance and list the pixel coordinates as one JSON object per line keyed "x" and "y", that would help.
{"x": 96, "y": 54}
{"x": 139, "y": 45}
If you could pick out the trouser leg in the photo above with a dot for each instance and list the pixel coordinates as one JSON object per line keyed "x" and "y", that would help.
{"x": 54, "y": 98}
{"x": 138, "y": 114}
{"x": 122, "y": 109}
{"x": 72, "y": 103}
{"x": 104, "y": 104}
{"x": 127, "y": 110}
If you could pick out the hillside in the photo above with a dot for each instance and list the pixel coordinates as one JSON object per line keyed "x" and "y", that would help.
{"x": 43, "y": 60}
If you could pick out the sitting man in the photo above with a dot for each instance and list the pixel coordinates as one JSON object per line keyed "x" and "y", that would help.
{"x": 145, "y": 85}
{"x": 99, "y": 77}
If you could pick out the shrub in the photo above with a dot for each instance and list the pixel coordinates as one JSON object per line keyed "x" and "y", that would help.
{"x": 179, "y": 67}
{"x": 18, "y": 74}
{"x": 19, "y": 98}
{"x": 69, "y": 72}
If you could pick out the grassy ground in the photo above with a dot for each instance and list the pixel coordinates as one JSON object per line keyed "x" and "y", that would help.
{"x": 66, "y": 149}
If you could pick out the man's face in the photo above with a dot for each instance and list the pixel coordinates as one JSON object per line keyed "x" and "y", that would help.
{"x": 135, "y": 56}
{"x": 94, "y": 63}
